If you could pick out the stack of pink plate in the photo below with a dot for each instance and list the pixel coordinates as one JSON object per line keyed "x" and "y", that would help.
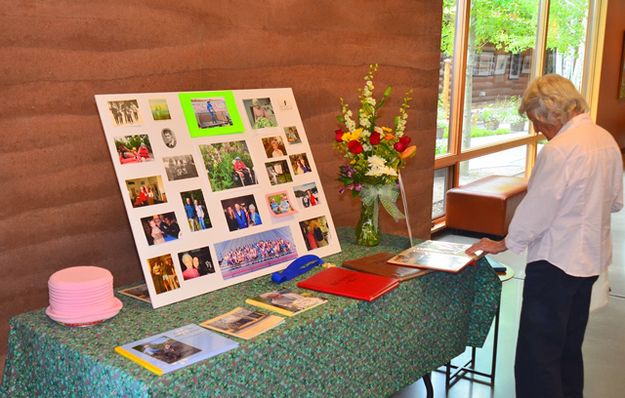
{"x": 82, "y": 296}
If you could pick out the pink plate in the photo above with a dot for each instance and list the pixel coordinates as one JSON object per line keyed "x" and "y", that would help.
{"x": 80, "y": 317}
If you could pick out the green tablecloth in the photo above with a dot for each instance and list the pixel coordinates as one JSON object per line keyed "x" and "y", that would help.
{"x": 344, "y": 348}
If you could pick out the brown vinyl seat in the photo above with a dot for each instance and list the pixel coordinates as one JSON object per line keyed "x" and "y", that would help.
{"x": 485, "y": 205}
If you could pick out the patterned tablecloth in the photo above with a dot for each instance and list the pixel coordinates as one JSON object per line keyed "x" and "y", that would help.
{"x": 344, "y": 348}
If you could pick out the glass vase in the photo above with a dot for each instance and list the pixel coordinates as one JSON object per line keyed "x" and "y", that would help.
{"x": 368, "y": 228}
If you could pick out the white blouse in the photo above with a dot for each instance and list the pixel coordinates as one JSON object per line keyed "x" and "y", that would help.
{"x": 575, "y": 185}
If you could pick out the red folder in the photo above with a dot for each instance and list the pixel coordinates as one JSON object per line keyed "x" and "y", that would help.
{"x": 354, "y": 284}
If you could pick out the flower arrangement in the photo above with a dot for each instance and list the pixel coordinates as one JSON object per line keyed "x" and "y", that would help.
{"x": 374, "y": 154}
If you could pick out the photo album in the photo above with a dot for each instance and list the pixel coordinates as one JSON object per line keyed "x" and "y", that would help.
{"x": 220, "y": 187}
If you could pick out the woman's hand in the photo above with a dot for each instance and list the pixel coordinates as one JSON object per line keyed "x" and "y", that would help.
{"x": 486, "y": 245}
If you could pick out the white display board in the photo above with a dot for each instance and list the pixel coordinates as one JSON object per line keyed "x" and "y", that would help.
{"x": 220, "y": 186}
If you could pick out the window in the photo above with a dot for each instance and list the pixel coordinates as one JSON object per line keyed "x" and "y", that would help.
{"x": 490, "y": 50}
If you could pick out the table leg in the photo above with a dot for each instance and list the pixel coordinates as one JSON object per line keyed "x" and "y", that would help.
{"x": 427, "y": 380}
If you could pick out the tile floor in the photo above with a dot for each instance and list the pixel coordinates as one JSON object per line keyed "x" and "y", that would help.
{"x": 604, "y": 345}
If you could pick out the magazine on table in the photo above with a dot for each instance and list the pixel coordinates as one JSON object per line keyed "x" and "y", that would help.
{"x": 165, "y": 352}
{"x": 243, "y": 323}
{"x": 435, "y": 255}
{"x": 286, "y": 302}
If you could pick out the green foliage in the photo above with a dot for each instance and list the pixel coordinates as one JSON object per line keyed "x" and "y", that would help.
{"x": 480, "y": 132}
{"x": 218, "y": 161}
{"x": 510, "y": 25}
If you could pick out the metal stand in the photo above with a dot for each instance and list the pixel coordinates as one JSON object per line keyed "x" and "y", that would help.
{"x": 461, "y": 372}
{"x": 427, "y": 380}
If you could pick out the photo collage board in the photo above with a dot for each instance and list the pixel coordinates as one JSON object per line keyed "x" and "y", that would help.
{"x": 220, "y": 187}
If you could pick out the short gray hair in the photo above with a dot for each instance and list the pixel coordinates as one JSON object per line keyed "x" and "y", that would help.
{"x": 553, "y": 100}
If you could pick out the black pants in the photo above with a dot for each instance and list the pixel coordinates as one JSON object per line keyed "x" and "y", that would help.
{"x": 554, "y": 315}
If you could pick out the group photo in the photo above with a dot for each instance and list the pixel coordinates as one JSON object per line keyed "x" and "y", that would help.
{"x": 125, "y": 113}
{"x": 179, "y": 167}
{"x": 241, "y": 212}
{"x": 134, "y": 148}
{"x": 146, "y": 191}
{"x": 251, "y": 253}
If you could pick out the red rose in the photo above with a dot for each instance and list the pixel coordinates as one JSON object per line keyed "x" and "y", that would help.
{"x": 375, "y": 138}
{"x": 399, "y": 146}
{"x": 338, "y": 135}
{"x": 354, "y": 147}
{"x": 405, "y": 140}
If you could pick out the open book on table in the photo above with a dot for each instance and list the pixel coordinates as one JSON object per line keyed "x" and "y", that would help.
{"x": 435, "y": 255}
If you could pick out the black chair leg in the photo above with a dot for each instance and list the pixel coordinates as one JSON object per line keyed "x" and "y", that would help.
{"x": 427, "y": 380}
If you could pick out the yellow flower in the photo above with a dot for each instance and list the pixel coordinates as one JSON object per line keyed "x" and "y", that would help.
{"x": 386, "y": 129}
{"x": 354, "y": 135}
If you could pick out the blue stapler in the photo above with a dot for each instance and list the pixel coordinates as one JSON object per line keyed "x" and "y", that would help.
{"x": 298, "y": 267}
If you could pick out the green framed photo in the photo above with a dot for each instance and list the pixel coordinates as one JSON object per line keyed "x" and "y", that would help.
{"x": 210, "y": 113}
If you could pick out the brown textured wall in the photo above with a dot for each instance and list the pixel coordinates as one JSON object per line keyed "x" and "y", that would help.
{"x": 611, "y": 111}
{"x": 60, "y": 204}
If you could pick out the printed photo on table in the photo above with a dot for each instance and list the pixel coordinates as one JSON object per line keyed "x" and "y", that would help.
{"x": 195, "y": 263}
{"x": 163, "y": 274}
{"x": 241, "y": 212}
{"x": 195, "y": 209}
{"x": 139, "y": 292}
{"x": 300, "y": 164}
{"x": 167, "y": 350}
{"x": 315, "y": 232}
{"x": 280, "y": 204}
{"x": 274, "y": 147}
{"x": 229, "y": 165}
{"x": 179, "y": 167}
{"x": 159, "y": 109}
{"x": 134, "y": 149}
{"x": 255, "y": 252}
{"x": 169, "y": 138}
{"x": 211, "y": 112}
{"x": 161, "y": 228}
{"x": 146, "y": 191}
{"x": 292, "y": 136}
{"x": 260, "y": 113}
{"x": 278, "y": 172}
{"x": 307, "y": 194}
{"x": 125, "y": 113}
{"x": 236, "y": 321}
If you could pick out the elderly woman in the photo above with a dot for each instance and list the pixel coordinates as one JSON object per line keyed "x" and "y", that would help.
{"x": 189, "y": 269}
{"x": 564, "y": 223}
